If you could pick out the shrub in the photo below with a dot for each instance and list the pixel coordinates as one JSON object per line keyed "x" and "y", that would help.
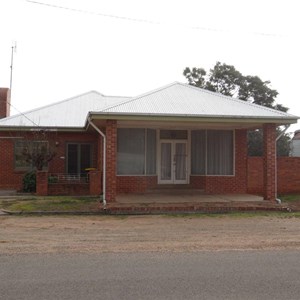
{"x": 52, "y": 179}
{"x": 29, "y": 182}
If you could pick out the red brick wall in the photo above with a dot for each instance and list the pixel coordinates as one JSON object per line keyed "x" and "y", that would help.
{"x": 111, "y": 160}
{"x": 248, "y": 177}
{"x": 198, "y": 182}
{"x": 95, "y": 180}
{"x": 42, "y": 183}
{"x": 12, "y": 179}
{"x": 255, "y": 175}
{"x": 269, "y": 161}
{"x": 288, "y": 175}
{"x": 66, "y": 189}
{"x": 9, "y": 179}
{"x": 135, "y": 184}
{"x": 4, "y": 102}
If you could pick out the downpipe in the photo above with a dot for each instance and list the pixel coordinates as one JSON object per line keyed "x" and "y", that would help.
{"x": 277, "y": 138}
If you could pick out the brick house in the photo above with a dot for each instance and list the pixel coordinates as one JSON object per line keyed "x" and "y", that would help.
{"x": 177, "y": 135}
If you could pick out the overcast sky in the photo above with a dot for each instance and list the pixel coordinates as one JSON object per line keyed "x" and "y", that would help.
{"x": 126, "y": 48}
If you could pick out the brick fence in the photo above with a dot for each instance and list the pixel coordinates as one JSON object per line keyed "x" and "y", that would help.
{"x": 288, "y": 175}
{"x": 92, "y": 187}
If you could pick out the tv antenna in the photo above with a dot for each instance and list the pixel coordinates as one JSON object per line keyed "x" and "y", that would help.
{"x": 13, "y": 50}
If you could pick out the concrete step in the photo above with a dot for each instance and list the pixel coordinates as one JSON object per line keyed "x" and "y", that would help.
{"x": 203, "y": 207}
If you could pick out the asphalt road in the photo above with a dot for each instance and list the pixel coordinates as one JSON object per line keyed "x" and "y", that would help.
{"x": 201, "y": 275}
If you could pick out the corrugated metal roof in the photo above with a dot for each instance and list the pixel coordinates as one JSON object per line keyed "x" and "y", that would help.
{"x": 71, "y": 112}
{"x": 178, "y": 99}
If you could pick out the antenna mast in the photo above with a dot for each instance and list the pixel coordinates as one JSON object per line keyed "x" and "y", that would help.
{"x": 13, "y": 49}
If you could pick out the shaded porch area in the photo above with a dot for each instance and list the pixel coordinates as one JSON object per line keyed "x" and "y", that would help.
{"x": 189, "y": 201}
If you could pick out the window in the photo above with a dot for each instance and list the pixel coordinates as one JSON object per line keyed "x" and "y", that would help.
{"x": 151, "y": 152}
{"x": 136, "y": 151}
{"x": 79, "y": 158}
{"x": 212, "y": 152}
{"x": 27, "y": 154}
{"x": 173, "y": 134}
{"x": 198, "y": 145}
{"x": 219, "y": 152}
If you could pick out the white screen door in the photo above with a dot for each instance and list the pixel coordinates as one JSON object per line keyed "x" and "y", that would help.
{"x": 173, "y": 162}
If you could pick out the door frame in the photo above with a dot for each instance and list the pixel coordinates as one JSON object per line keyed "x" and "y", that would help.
{"x": 173, "y": 180}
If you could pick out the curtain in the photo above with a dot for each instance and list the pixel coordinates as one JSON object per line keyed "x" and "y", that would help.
{"x": 198, "y": 145}
{"x": 166, "y": 161}
{"x": 219, "y": 152}
{"x": 151, "y": 152}
{"x": 131, "y": 151}
{"x": 212, "y": 152}
{"x": 180, "y": 161}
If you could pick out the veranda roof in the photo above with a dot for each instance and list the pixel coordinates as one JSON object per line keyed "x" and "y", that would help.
{"x": 182, "y": 100}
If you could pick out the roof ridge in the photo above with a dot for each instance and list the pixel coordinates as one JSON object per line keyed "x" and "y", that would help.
{"x": 141, "y": 95}
{"x": 49, "y": 105}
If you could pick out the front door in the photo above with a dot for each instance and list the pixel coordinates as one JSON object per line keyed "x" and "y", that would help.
{"x": 173, "y": 162}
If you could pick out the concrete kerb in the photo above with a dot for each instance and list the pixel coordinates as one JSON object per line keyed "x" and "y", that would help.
{"x": 49, "y": 213}
{"x": 143, "y": 212}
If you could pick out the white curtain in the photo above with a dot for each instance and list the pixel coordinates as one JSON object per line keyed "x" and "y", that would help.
{"x": 219, "y": 152}
{"x": 212, "y": 152}
{"x": 166, "y": 161}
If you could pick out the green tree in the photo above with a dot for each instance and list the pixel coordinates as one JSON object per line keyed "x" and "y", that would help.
{"x": 225, "y": 79}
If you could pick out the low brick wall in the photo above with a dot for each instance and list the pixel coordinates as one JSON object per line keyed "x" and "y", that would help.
{"x": 218, "y": 184}
{"x": 135, "y": 184}
{"x": 65, "y": 189}
{"x": 288, "y": 175}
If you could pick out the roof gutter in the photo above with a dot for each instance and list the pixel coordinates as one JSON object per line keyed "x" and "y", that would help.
{"x": 277, "y": 138}
{"x": 104, "y": 160}
{"x": 191, "y": 118}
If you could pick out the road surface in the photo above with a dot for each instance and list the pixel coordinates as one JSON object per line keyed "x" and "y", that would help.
{"x": 152, "y": 275}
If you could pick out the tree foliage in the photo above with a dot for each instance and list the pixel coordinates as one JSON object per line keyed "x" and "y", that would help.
{"x": 255, "y": 143}
{"x": 225, "y": 79}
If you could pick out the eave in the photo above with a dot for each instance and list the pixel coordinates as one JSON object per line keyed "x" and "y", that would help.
{"x": 219, "y": 119}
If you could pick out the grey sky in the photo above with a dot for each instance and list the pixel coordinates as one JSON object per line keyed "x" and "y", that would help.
{"x": 63, "y": 52}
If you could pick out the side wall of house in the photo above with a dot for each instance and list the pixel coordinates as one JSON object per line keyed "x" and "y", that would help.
{"x": 288, "y": 175}
{"x": 10, "y": 178}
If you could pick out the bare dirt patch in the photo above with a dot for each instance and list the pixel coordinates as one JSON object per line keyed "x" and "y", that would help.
{"x": 63, "y": 234}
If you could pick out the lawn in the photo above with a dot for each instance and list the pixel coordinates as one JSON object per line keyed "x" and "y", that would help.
{"x": 52, "y": 204}
{"x": 91, "y": 204}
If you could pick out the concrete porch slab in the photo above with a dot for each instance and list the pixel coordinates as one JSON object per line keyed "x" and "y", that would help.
{"x": 8, "y": 192}
{"x": 189, "y": 203}
{"x": 191, "y": 197}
